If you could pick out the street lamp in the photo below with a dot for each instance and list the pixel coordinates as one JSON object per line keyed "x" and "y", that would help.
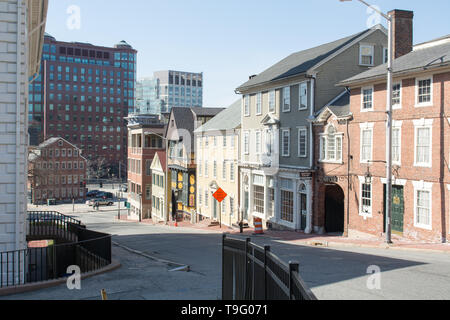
{"x": 389, "y": 123}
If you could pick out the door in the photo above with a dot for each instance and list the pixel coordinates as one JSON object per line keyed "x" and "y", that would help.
{"x": 246, "y": 205}
{"x": 214, "y": 208}
{"x": 303, "y": 210}
{"x": 334, "y": 209}
{"x": 398, "y": 209}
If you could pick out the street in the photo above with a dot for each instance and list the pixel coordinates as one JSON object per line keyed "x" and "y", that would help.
{"x": 330, "y": 273}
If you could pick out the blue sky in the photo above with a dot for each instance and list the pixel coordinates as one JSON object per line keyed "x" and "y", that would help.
{"x": 228, "y": 40}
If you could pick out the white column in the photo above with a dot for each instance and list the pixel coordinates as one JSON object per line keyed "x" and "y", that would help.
{"x": 296, "y": 208}
{"x": 309, "y": 217}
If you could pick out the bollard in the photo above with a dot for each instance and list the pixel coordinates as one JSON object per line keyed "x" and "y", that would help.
{"x": 104, "y": 296}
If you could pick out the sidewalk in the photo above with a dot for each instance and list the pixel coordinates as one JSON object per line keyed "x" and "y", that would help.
{"x": 316, "y": 240}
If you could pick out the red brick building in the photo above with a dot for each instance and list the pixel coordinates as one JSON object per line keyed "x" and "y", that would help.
{"x": 145, "y": 134}
{"x": 56, "y": 170}
{"x": 331, "y": 187}
{"x": 421, "y": 136}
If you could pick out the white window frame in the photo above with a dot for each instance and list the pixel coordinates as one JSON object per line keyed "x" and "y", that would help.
{"x": 301, "y": 87}
{"x": 424, "y": 104}
{"x": 421, "y": 186}
{"x": 363, "y": 46}
{"x": 397, "y": 126}
{"x": 246, "y": 103}
{"x": 303, "y": 130}
{"x": 285, "y": 90}
{"x": 232, "y": 172}
{"x": 246, "y": 142}
{"x": 284, "y": 153}
{"x": 272, "y": 104}
{"x": 259, "y": 104}
{"x": 385, "y": 54}
{"x": 324, "y": 147}
{"x": 399, "y": 105}
{"x": 423, "y": 124}
{"x": 369, "y": 212}
{"x": 366, "y": 127}
{"x": 362, "y": 99}
{"x": 258, "y": 142}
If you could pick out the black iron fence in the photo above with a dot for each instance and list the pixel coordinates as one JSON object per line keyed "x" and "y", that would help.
{"x": 44, "y": 225}
{"x": 251, "y": 272}
{"x": 90, "y": 252}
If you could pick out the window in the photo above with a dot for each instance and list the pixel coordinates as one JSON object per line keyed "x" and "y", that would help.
{"x": 397, "y": 96}
{"x": 286, "y": 136}
{"x": 396, "y": 145}
{"x": 259, "y": 103}
{"x": 258, "y": 196}
{"x": 246, "y": 142}
{"x": 423, "y": 146}
{"x": 366, "y": 55}
{"x": 272, "y": 101}
{"x": 366, "y": 144}
{"x": 331, "y": 145}
{"x": 286, "y": 99}
{"x": 367, "y": 98}
{"x": 231, "y": 206}
{"x": 422, "y": 204}
{"x": 303, "y": 99}
{"x": 366, "y": 199}
{"x": 246, "y": 105}
{"x": 206, "y": 168}
{"x": 258, "y": 142}
{"x": 287, "y": 206}
{"x": 424, "y": 92}
{"x": 224, "y": 171}
{"x": 302, "y": 142}
{"x": 215, "y": 169}
{"x": 232, "y": 172}
{"x": 385, "y": 55}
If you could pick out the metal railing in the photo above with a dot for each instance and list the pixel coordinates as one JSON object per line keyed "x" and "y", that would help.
{"x": 91, "y": 251}
{"x": 251, "y": 272}
{"x": 45, "y": 225}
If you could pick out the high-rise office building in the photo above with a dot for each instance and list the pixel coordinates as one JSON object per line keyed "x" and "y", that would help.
{"x": 169, "y": 89}
{"x": 83, "y": 94}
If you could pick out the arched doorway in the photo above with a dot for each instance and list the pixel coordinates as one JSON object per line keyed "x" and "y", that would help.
{"x": 334, "y": 209}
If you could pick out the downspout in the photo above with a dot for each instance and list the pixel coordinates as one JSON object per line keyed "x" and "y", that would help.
{"x": 309, "y": 228}
{"x": 18, "y": 109}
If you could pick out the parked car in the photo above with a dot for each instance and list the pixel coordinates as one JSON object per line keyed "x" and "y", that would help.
{"x": 100, "y": 202}
{"x": 105, "y": 195}
{"x": 92, "y": 194}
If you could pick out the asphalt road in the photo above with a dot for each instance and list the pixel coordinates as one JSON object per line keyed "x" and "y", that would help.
{"x": 330, "y": 273}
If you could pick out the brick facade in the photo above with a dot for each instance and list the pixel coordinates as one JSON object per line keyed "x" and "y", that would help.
{"x": 57, "y": 170}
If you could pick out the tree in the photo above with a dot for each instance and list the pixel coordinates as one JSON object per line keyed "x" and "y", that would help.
{"x": 97, "y": 167}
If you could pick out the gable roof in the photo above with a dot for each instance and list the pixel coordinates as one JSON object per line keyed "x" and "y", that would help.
{"x": 228, "y": 119}
{"x": 422, "y": 58}
{"x": 303, "y": 61}
{"x": 161, "y": 157}
{"x": 339, "y": 107}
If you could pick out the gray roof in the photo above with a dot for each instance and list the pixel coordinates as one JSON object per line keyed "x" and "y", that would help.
{"x": 420, "y": 59}
{"x": 341, "y": 107}
{"x": 49, "y": 142}
{"x": 300, "y": 62}
{"x": 228, "y": 119}
{"x": 184, "y": 117}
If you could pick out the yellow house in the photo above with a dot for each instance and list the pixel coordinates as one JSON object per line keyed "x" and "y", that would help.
{"x": 217, "y": 157}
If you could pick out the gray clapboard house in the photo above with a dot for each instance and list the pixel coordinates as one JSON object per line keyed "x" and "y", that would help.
{"x": 279, "y": 105}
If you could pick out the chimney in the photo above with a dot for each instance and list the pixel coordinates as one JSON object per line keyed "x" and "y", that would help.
{"x": 402, "y": 28}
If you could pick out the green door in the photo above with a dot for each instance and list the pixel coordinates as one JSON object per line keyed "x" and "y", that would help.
{"x": 398, "y": 209}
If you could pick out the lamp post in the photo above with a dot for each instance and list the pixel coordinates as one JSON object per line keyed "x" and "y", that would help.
{"x": 389, "y": 123}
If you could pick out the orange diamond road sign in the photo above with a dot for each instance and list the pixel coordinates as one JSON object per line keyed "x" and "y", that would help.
{"x": 220, "y": 195}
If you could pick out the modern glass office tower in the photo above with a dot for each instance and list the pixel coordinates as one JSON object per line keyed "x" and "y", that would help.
{"x": 168, "y": 89}
{"x": 83, "y": 94}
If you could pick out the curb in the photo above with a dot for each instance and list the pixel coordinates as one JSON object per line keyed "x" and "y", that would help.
{"x": 53, "y": 283}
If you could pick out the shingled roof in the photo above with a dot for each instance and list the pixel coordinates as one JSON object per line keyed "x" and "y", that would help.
{"x": 429, "y": 55}
{"x": 228, "y": 119}
{"x": 302, "y": 61}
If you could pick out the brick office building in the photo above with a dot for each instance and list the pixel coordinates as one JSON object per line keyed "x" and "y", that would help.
{"x": 145, "y": 134}
{"x": 83, "y": 94}
{"x": 56, "y": 170}
{"x": 421, "y": 133}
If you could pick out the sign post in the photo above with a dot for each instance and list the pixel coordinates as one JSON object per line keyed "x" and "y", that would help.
{"x": 220, "y": 195}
